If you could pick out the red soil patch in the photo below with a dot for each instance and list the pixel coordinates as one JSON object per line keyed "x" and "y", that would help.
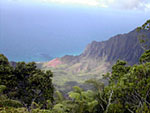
{"x": 54, "y": 62}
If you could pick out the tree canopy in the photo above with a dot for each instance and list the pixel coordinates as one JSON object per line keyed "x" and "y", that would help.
{"x": 26, "y": 83}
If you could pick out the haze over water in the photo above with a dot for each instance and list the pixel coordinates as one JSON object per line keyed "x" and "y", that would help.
{"x": 41, "y": 31}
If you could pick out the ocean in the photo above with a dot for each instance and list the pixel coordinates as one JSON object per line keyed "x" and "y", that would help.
{"x": 41, "y": 32}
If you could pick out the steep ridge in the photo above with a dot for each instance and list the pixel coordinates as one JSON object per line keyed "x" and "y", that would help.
{"x": 124, "y": 47}
{"x": 97, "y": 58}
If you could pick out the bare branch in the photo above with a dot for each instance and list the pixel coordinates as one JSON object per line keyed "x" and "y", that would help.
{"x": 109, "y": 101}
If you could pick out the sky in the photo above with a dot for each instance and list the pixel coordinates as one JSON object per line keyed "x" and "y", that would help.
{"x": 121, "y": 4}
{"x": 117, "y": 4}
{"x": 38, "y": 30}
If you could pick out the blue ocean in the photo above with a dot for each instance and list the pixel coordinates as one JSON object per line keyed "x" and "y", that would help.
{"x": 41, "y": 32}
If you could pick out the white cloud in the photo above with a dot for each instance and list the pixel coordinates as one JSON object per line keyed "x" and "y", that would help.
{"x": 120, "y": 4}
{"x": 147, "y": 7}
{"x": 130, "y": 4}
{"x": 79, "y": 2}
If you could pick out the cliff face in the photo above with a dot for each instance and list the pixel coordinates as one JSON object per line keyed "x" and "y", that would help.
{"x": 98, "y": 57}
{"x": 124, "y": 47}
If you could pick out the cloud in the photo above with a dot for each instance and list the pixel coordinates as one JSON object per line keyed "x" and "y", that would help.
{"x": 117, "y": 4}
{"x": 78, "y": 2}
{"x": 122, "y": 4}
{"x": 130, "y": 4}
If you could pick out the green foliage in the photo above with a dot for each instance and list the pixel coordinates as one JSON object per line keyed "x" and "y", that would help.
{"x": 145, "y": 57}
{"x": 26, "y": 83}
{"x": 6, "y": 102}
{"x": 99, "y": 86}
{"x": 6, "y": 73}
{"x": 59, "y": 108}
{"x": 85, "y": 100}
{"x": 144, "y": 41}
{"x": 10, "y": 103}
{"x": 2, "y": 88}
{"x": 59, "y": 97}
{"x": 132, "y": 89}
{"x": 128, "y": 91}
{"x": 23, "y": 110}
{"x": 13, "y": 110}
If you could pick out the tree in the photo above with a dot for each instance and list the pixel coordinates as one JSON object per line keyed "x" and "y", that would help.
{"x": 145, "y": 57}
{"x": 7, "y": 77}
{"x": 144, "y": 41}
{"x": 26, "y": 83}
{"x": 85, "y": 100}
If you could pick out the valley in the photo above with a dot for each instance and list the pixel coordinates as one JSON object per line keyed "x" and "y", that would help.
{"x": 97, "y": 59}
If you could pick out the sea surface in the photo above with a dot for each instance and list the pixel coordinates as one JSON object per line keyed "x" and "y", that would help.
{"x": 41, "y": 32}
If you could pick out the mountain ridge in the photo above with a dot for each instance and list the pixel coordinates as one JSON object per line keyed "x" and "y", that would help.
{"x": 100, "y": 50}
{"x": 97, "y": 58}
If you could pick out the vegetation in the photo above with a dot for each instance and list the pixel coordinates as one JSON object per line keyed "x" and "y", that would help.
{"x": 24, "y": 89}
{"x": 25, "y": 83}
